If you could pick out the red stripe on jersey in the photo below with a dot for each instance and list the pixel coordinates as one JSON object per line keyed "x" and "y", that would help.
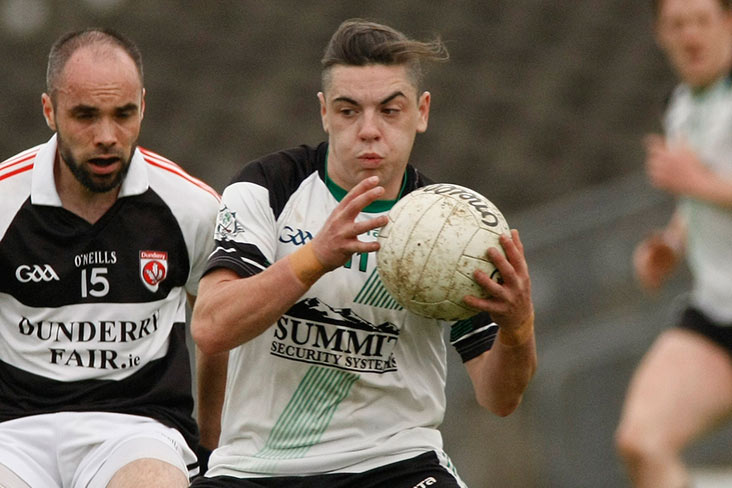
{"x": 15, "y": 160}
{"x": 157, "y": 156}
{"x": 168, "y": 165}
{"x": 16, "y": 171}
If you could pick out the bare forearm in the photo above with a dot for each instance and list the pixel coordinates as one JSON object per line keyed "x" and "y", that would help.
{"x": 211, "y": 380}
{"x": 232, "y": 311}
{"x": 714, "y": 189}
{"x": 501, "y": 375}
{"x": 678, "y": 169}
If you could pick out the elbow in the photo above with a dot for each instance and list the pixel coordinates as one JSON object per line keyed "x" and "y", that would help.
{"x": 506, "y": 408}
{"x": 204, "y": 334}
{"x": 501, "y": 407}
{"x": 505, "y": 396}
{"x": 207, "y": 345}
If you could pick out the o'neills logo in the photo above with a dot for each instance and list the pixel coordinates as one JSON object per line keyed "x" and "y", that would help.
{"x": 153, "y": 268}
{"x": 484, "y": 207}
{"x": 312, "y": 332}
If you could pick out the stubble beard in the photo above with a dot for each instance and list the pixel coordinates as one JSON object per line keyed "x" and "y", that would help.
{"x": 84, "y": 177}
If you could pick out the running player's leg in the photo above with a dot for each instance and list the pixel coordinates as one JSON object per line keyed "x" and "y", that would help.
{"x": 682, "y": 389}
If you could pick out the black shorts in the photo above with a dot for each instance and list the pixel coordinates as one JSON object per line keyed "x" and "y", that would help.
{"x": 696, "y": 321}
{"x": 422, "y": 471}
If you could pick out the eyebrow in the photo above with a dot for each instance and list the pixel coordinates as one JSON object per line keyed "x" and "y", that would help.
{"x": 386, "y": 100}
{"x": 392, "y": 97}
{"x": 82, "y": 108}
{"x": 128, "y": 107}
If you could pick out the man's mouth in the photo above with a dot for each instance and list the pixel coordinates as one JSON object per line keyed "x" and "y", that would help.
{"x": 104, "y": 165}
{"x": 370, "y": 158}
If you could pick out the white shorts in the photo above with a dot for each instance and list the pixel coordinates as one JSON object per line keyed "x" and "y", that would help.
{"x": 85, "y": 449}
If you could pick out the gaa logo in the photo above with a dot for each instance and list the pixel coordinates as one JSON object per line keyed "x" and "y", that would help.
{"x": 297, "y": 237}
{"x": 35, "y": 273}
{"x": 153, "y": 268}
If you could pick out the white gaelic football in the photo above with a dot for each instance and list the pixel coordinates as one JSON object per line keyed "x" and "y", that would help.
{"x": 436, "y": 237}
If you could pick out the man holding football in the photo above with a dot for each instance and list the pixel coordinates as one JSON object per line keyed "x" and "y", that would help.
{"x": 327, "y": 387}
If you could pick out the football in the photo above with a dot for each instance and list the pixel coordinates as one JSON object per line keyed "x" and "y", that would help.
{"x": 436, "y": 237}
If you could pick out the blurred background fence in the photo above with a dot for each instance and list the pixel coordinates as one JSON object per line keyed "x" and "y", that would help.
{"x": 541, "y": 108}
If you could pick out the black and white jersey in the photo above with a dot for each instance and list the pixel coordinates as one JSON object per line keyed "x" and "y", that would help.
{"x": 92, "y": 316}
{"x": 346, "y": 380}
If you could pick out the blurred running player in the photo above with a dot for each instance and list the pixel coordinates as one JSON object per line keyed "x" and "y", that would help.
{"x": 683, "y": 387}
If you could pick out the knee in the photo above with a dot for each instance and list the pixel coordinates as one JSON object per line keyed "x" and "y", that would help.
{"x": 629, "y": 445}
{"x": 637, "y": 446}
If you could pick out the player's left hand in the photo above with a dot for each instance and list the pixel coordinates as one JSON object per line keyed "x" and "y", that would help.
{"x": 509, "y": 303}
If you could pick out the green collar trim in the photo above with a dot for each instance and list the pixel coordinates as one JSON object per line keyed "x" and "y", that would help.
{"x": 719, "y": 85}
{"x": 378, "y": 206}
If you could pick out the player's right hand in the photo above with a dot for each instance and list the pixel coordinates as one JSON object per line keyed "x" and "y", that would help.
{"x": 338, "y": 240}
{"x": 654, "y": 260}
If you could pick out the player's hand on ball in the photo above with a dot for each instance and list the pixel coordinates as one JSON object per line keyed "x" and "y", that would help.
{"x": 509, "y": 302}
{"x": 338, "y": 240}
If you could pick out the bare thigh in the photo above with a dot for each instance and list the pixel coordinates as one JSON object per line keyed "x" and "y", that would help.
{"x": 682, "y": 389}
{"x": 148, "y": 472}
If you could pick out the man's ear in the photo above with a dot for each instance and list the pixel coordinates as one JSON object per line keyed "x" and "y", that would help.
{"x": 424, "y": 111}
{"x": 142, "y": 104}
{"x": 323, "y": 111}
{"x": 48, "y": 112}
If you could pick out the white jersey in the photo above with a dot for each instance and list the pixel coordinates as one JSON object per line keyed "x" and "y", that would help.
{"x": 92, "y": 316}
{"x": 346, "y": 380}
{"x": 704, "y": 120}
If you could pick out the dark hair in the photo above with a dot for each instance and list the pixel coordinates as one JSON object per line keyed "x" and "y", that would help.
{"x": 359, "y": 42}
{"x": 656, "y": 5}
{"x": 66, "y": 46}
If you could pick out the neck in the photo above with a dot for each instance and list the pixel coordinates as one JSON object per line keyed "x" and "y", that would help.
{"x": 78, "y": 199}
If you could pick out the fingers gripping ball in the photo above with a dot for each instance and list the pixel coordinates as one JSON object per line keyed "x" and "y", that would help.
{"x": 436, "y": 237}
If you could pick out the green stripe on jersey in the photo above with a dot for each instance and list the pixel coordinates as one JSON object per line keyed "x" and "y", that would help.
{"x": 461, "y": 328}
{"x": 374, "y": 293}
{"x": 308, "y": 413}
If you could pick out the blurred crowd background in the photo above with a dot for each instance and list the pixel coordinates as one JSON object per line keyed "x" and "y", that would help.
{"x": 541, "y": 108}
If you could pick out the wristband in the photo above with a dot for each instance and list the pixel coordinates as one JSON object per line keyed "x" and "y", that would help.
{"x": 520, "y": 336}
{"x": 306, "y": 265}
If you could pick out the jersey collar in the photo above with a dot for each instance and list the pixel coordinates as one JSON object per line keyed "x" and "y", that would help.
{"x": 722, "y": 84}
{"x": 43, "y": 187}
{"x": 374, "y": 207}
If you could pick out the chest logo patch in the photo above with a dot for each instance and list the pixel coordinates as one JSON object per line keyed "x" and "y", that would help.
{"x": 316, "y": 333}
{"x": 153, "y": 268}
{"x": 35, "y": 273}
